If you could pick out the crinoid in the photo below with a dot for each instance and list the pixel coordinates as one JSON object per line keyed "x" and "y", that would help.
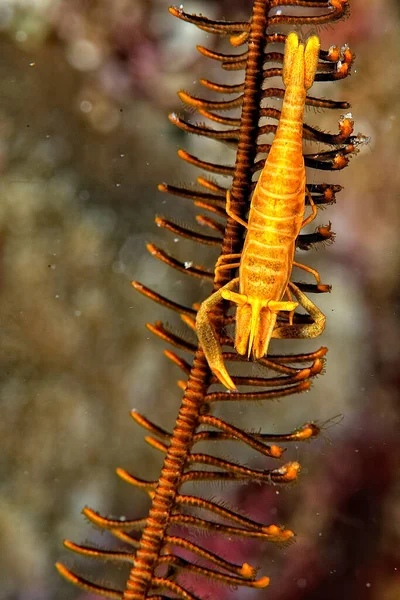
{"x": 158, "y": 566}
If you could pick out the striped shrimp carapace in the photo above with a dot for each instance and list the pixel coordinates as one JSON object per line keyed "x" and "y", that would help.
{"x": 275, "y": 219}
{"x": 161, "y": 555}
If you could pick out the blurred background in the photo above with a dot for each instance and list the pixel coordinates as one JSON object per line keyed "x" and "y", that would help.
{"x": 84, "y": 139}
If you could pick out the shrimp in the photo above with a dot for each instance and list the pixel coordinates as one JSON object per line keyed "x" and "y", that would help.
{"x": 275, "y": 219}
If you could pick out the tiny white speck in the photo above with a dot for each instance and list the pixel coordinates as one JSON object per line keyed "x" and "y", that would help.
{"x": 188, "y": 264}
{"x": 21, "y": 36}
{"x": 86, "y": 106}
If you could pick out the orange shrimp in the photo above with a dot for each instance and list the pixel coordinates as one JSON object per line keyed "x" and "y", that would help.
{"x": 275, "y": 219}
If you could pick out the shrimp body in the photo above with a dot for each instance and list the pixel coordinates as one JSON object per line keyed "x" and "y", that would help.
{"x": 277, "y": 209}
{"x": 275, "y": 219}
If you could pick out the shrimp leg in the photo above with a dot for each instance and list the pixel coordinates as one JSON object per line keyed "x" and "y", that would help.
{"x": 314, "y": 212}
{"x": 291, "y": 314}
{"x": 208, "y": 338}
{"x": 230, "y": 212}
{"x": 224, "y": 265}
{"x": 306, "y": 221}
{"x": 313, "y": 272}
{"x": 303, "y": 330}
